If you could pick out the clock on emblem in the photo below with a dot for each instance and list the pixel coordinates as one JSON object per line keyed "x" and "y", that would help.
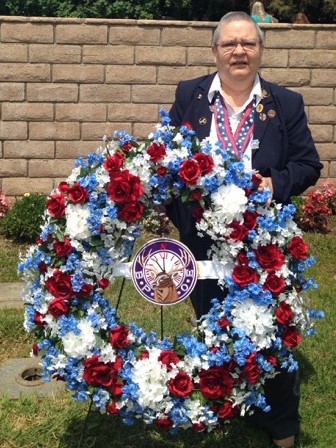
{"x": 164, "y": 271}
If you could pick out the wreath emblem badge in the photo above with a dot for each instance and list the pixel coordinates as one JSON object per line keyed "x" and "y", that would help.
{"x": 164, "y": 271}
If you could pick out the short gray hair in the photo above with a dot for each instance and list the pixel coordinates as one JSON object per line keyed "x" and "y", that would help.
{"x": 232, "y": 16}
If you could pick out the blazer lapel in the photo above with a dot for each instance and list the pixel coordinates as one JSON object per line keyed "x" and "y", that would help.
{"x": 203, "y": 112}
{"x": 265, "y": 111}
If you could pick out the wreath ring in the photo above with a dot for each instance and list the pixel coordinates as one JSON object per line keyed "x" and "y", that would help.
{"x": 91, "y": 222}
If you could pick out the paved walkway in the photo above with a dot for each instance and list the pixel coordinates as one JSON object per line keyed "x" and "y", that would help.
{"x": 10, "y": 295}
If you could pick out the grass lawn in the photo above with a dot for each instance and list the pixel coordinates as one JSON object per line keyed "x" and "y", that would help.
{"x": 33, "y": 422}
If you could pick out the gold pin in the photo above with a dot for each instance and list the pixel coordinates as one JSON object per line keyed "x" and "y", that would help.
{"x": 199, "y": 96}
{"x": 202, "y": 121}
{"x": 271, "y": 113}
{"x": 264, "y": 93}
{"x": 259, "y": 107}
{"x": 262, "y": 117}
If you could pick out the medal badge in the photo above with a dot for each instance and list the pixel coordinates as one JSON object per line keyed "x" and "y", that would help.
{"x": 164, "y": 271}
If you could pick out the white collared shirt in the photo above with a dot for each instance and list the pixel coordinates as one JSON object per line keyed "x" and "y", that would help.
{"x": 234, "y": 117}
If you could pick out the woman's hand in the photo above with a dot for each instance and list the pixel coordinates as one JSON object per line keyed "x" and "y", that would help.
{"x": 266, "y": 182}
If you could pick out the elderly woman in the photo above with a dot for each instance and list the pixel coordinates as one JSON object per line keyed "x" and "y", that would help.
{"x": 268, "y": 123}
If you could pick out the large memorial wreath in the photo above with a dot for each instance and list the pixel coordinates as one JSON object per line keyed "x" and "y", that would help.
{"x": 91, "y": 223}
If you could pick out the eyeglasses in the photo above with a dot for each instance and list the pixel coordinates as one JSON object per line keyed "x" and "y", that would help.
{"x": 228, "y": 46}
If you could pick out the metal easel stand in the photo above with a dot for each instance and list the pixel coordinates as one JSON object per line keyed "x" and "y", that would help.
{"x": 85, "y": 424}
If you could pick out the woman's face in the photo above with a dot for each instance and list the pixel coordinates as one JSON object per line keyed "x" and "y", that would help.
{"x": 238, "y": 52}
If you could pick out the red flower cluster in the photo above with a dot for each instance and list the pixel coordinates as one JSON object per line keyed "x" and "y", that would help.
{"x": 99, "y": 373}
{"x": 191, "y": 169}
{"x": 317, "y": 207}
{"x": 75, "y": 194}
{"x": 125, "y": 189}
{"x": 216, "y": 382}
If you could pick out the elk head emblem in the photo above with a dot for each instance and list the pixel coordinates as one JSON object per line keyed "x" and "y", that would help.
{"x": 163, "y": 282}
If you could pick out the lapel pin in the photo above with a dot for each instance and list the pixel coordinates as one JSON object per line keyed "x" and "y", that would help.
{"x": 262, "y": 117}
{"x": 264, "y": 93}
{"x": 271, "y": 113}
{"x": 199, "y": 96}
{"x": 259, "y": 107}
{"x": 255, "y": 144}
{"x": 202, "y": 121}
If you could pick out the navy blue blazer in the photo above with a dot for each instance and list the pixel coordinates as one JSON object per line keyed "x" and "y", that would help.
{"x": 286, "y": 150}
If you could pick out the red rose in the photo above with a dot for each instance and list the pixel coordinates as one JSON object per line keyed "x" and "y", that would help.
{"x": 62, "y": 248}
{"x": 227, "y": 410}
{"x": 250, "y": 219}
{"x": 199, "y": 426}
{"x": 124, "y": 187}
{"x": 99, "y": 373}
{"x": 128, "y": 146}
{"x": 274, "y": 283}
{"x": 291, "y": 337}
{"x": 156, "y": 151}
{"x": 114, "y": 163}
{"x": 190, "y": 171}
{"x": 168, "y": 357}
{"x": 164, "y": 423}
{"x": 143, "y": 354}
{"x": 181, "y": 385}
{"x": 195, "y": 195}
{"x": 103, "y": 283}
{"x": 112, "y": 407}
{"x": 56, "y": 205}
{"x": 39, "y": 319}
{"x": 116, "y": 387}
{"x": 256, "y": 181}
{"x": 239, "y": 231}
{"x": 272, "y": 359}
{"x": 251, "y": 370}
{"x": 242, "y": 257}
{"x": 119, "y": 336}
{"x": 161, "y": 171}
{"x": 86, "y": 290}
{"x": 270, "y": 257}
{"x": 78, "y": 194}
{"x": 284, "y": 313}
{"x": 223, "y": 322}
{"x": 132, "y": 211}
{"x": 243, "y": 275}
{"x": 198, "y": 213}
{"x": 58, "y": 307}
{"x": 298, "y": 248}
{"x": 43, "y": 267}
{"x": 205, "y": 162}
{"x": 187, "y": 124}
{"x": 59, "y": 285}
{"x": 63, "y": 187}
{"x": 215, "y": 382}
{"x": 35, "y": 349}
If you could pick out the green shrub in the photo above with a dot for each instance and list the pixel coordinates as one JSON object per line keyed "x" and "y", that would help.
{"x": 22, "y": 222}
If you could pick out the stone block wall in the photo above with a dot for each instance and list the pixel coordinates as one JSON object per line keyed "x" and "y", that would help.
{"x": 64, "y": 83}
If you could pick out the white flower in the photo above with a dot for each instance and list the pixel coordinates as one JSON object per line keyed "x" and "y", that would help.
{"x": 229, "y": 203}
{"x": 79, "y": 345}
{"x": 77, "y": 226}
{"x": 257, "y": 322}
{"x": 152, "y": 377}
